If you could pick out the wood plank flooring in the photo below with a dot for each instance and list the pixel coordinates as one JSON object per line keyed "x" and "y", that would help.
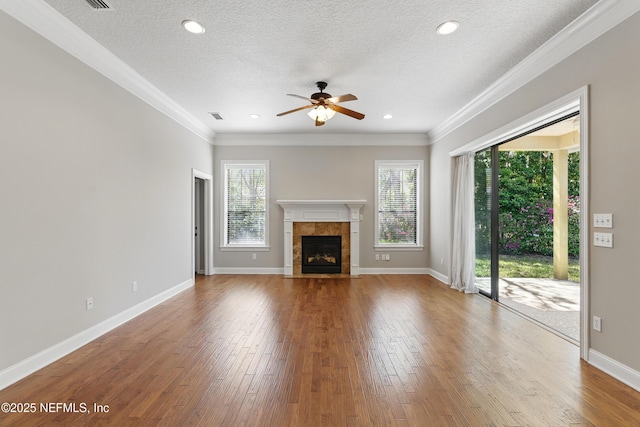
{"x": 373, "y": 351}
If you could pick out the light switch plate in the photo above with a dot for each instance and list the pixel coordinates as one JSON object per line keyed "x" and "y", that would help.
{"x": 603, "y": 220}
{"x": 603, "y": 239}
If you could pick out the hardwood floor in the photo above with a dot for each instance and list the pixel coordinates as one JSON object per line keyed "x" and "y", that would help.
{"x": 378, "y": 350}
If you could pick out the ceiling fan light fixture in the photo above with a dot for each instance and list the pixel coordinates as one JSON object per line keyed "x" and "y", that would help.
{"x": 324, "y": 106}
{"x": 193, "y": 26}
{"x": 321, "y": 113}
{"x": 447, "y": 27}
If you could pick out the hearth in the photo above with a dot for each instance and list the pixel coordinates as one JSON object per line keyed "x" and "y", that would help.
{"x": 321, "y": 254}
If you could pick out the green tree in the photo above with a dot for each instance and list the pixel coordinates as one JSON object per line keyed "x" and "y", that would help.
{"x": 525, "y": 202}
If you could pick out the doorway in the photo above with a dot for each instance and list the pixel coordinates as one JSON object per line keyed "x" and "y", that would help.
{"x": 527, "y": 204}
{"x": 198, "y": 231}
{"x": 201, "y": 223}
{"x": 576, "y": 101}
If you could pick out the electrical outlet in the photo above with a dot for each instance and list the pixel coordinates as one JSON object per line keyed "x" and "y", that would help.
{"x": 89, "y": 303}
{"x": 597, "y": 323}
{"x": 254, "y": 256}
{"x": 441, "y": 261}
{"x": 377, "y": 257}
{"x": 134, "y": 287}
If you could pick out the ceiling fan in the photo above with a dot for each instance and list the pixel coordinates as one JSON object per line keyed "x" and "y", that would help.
{"x": 324, "y": 105}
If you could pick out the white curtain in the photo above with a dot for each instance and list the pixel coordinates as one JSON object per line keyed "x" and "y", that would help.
{"x": 464, "y": 239}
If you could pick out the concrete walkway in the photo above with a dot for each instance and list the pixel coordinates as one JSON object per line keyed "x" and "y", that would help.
{"x": 555, "y": 303}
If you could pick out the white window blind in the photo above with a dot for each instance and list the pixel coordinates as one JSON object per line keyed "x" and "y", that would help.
{"x": 398, "y": 216}
{"x": 245, "y": 204}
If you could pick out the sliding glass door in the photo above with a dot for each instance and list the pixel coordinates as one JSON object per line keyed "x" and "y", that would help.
{"x": 483, "y": 209}
{"x": 527, "y": 224}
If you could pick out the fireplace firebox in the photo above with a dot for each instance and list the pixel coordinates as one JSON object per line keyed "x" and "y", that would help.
{"x": 321, "y": 254}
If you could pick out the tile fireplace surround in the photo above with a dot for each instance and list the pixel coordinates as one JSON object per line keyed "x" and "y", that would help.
{"x": 321, "y": 217}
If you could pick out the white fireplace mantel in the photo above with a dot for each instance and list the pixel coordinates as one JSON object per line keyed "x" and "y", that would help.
{"x": 322, "y": 211}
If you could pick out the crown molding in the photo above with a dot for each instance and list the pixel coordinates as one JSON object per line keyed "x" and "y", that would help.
{"x": 324, "y": 139}
{"x": 596, "y": 21}
{"x": 46, "y": 21}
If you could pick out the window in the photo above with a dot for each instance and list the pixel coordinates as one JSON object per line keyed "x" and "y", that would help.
{"x": 245, "y": 216}
{"x": 398, "y": 207}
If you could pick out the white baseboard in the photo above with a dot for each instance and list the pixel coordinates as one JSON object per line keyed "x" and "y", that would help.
{"x": 441, "y": 277}
{"x": 38, "y": 361}
{"x": 394, "y": 271}
{"x": 245, "y": 270}
{"x": 617, "y": 370}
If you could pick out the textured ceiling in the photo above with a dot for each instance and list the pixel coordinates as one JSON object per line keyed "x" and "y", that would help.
{"x": 386, "y": 53}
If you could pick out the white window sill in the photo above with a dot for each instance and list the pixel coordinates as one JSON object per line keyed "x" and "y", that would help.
{"x": 383, "y": 248}
{"x": 246, "y": 248}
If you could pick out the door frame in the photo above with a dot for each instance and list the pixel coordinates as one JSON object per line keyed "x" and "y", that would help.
{"x": 207, "y": 221}
{"x": 198, "y": 226}
{"x": 577, "y": 100}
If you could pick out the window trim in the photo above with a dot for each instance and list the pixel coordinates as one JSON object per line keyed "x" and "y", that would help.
{"x": 419, "y": 165}
{"x": 237, "y": 164}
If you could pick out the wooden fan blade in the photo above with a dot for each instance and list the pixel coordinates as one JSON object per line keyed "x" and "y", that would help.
{"x": 296, "y": 109}
{"x": 342, "y": 98}
{"x": 313, "y": 101}
{"x": 346, "y": 111}
{"x": 318, "y": 122}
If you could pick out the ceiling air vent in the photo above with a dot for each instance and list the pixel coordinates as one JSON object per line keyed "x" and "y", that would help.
{"x": 98, "y": 4}
{"x": 216, "y": 116}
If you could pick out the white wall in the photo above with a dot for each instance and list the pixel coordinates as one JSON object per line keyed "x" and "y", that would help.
{"x": 95, "y": 187}
{"x": 611, "y": 67}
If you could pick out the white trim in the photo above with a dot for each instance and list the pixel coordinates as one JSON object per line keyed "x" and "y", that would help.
{"x": 322, "y": 140}
{"x": 46, "y": 21}
{"x": 617, "y": 370}
{"x": 240, "y": 248}
{"x": 554, "y": 110}
{"x": 280, "y": 271}
{"x": 394, "y": 271}
{"x": 248, "y": 270}
{"x": 57, "y": 351}
{"x": 584, "y": 222}
{"x": 208, "y": 220}
{"x": 397, "y": 248}
{"x": 596, "y": 21}
{"x": 439, "y": 276}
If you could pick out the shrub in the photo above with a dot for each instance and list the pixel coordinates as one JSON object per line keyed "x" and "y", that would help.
{"x": 530, "y": 230}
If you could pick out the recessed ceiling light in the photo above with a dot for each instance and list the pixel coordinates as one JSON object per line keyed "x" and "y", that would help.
{"x": 254, "y": 116}
{"x": 387, "y": 116}
{"x": 193, "y": 26}
{"x": 447, "y": 27}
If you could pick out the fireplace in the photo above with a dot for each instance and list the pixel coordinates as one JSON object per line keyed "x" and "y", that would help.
{"x": 322, "y": 218}
{"x": 322, "y": 254}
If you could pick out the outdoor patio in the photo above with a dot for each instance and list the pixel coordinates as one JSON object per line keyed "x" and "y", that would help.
{"x": 554, "y": 303}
